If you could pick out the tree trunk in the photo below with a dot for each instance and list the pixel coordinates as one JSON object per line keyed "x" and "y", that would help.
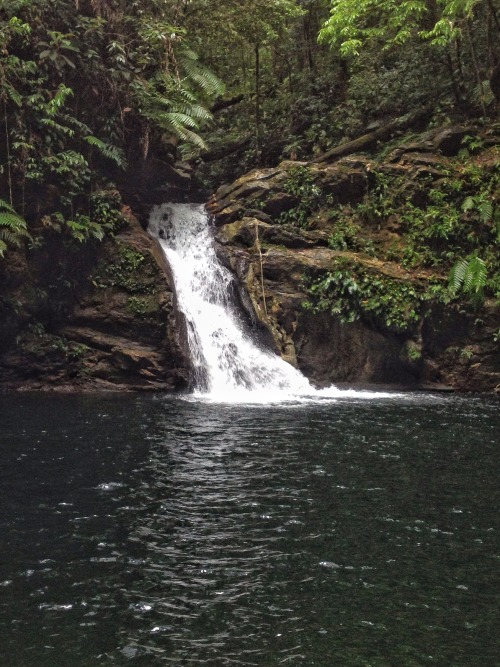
{"x": 368, "y": 141}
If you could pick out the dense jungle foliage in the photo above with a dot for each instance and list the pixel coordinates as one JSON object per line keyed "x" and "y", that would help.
{"x": 90, "y": 90}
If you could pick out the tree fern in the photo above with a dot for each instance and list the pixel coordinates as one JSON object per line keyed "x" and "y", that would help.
{"x": 170, "y": 105}
{"x": 13, "y": 228}
{"x": 108, "y": 151}
{"x": 199, "y": 74}
{"x": 173, "y": 102}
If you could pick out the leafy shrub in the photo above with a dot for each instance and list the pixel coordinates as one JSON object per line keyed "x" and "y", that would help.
{"x": 301, "y": 184}
{"x": 131, "y": 271}
{"x": 353, "y": 293}
{"x": 142, "y": 305}
{"x": 347, "y": 235}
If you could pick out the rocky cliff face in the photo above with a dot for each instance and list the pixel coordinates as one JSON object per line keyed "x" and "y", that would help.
{"x": 313, "y": 249}
{"x": 340, "y": 267}
{"x": 102, "y": 318}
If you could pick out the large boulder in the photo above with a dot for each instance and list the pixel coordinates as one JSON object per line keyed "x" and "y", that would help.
{"x": 275, "y": 254}
{"x": 118, "y": 331}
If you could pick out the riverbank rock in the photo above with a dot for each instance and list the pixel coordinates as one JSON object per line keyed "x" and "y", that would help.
{"x": 105, "y": 322}
{"x": 323, "y": 251}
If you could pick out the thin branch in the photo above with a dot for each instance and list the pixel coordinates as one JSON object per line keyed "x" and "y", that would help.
{"x": 259, "y": 250}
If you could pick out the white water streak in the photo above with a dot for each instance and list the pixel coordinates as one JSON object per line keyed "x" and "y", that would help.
{"x": 228, "y": 365}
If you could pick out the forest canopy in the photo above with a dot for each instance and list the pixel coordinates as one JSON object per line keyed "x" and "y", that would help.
{"x": 88, "y": 87}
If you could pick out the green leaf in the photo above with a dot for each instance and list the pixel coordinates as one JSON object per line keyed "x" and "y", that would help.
{"x": 470, "y": 276}
{"x": 468, "y": 204}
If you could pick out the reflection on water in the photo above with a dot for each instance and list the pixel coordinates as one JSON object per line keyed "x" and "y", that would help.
{"x": 141, "y": 531}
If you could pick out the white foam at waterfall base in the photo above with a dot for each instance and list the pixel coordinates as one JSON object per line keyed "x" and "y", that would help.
{"x": 229, "y": 366}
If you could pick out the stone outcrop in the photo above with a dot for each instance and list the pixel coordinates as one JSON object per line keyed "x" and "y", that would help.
{"x": 320, "y": 345}
{"x": 451, "y": 346}
{"x": 116, "y": 330}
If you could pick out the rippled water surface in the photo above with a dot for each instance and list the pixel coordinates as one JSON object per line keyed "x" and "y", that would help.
{"x": 152, "y": 531}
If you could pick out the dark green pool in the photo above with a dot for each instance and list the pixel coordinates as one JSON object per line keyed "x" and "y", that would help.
{"x": 152, "y": 531}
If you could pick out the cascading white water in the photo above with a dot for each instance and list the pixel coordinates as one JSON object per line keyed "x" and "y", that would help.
{"x": 229, "y": 366}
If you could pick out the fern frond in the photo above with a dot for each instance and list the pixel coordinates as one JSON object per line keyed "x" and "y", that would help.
{"x": 49, "y": 122}
{"x": 74, "y": 122}
{"x": 172, "y": 106}
{"x": 486, "y": 211}
{"x": 13, "y": 228}
{"x": 194, "y": 111}
{"x": 6, "y": 206}
{"x": 96, "y": 230}
{"x": 468, "y": 204}
{"x": 108, "y": 151}
{"x": 209, "y": 83}
{"x": 10, "y": 237}
{"x": 469, "y": 275}
{"x": 199, "y": 74}
{"x": 76, "y": 229}
{"x": 179, "y": 107}
{"x": 57, "y": 103}
{"x": 14, "y": 223}
{"x": 183, "y": 119}
{"x": 176, "y": 122}
{"x": 189, "y": 54}
{"x": 13, "y": 95}
{"x": 475, "y": 275}
{"x": 457, "y": 275}
{"x": 194, "y": 139}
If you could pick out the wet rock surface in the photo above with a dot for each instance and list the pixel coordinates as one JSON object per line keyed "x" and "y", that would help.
{"x": 118, "y": 330}
{"x": 452, "y": 346}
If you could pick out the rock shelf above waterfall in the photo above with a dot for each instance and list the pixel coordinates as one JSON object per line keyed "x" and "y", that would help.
{"x": 281, "y": 228}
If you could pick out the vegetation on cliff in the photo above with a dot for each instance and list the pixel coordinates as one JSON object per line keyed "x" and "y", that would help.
{"x": 85, "y": 89}
{"x": 359, "y": 264}
{"x": 103, "y": 101}
{"x": 89, "y": 86}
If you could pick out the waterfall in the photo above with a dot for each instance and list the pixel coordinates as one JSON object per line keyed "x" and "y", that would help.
{"x": 228, "y": 364}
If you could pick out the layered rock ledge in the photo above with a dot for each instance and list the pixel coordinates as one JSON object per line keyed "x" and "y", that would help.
{"x": 116, "y": 328}
{"x": 277, "y": 248}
